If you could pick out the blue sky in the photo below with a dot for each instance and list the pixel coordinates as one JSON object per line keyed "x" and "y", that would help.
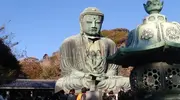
{"x": 42, "y": 25}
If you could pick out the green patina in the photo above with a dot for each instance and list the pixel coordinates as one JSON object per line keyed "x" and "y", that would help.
{"x": 153, "y": 49}
{"x": 153, "y": 6}
{"x": 154, "y": 33}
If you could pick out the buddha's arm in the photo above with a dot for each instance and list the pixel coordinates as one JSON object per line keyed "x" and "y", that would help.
{"x": 112, "y": 68}
{"x": 68, "y": 69}
{"x": 68, "y": 61}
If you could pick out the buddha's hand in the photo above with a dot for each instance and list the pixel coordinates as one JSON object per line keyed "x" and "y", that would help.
{"x": 77, "y": 74}
{"x": 92, "y": 76}
{"x": 98, "y": 77}
{"x": 88, "y": 75}
{"x": 101, "y": 78}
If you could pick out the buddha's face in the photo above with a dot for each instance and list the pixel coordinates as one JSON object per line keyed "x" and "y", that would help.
{"x": 91, "y": 24}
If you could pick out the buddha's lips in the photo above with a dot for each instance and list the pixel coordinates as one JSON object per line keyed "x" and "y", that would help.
{"x": 94, "y": 29}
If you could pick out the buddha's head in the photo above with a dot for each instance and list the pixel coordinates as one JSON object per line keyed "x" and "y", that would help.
{"x": 91, "y": 20}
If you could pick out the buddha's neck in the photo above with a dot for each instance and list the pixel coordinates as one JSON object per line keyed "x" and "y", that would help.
{"x": 91, "y": 39}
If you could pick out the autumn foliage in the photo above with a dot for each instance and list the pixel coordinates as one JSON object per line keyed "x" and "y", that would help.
{"x": 118, "y": 35}
{"x": 53, "y": 70}
{"x": 47, "y": 68}
{"x": 32, "y": 69}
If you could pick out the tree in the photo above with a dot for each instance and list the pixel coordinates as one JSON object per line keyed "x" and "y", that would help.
{"x": 53, "y": 70}
{"x": 9, "y": 65}
{"x": 7, "y": 38}
{"x": 118, "y": 35}
{"x": 31, "y": 68}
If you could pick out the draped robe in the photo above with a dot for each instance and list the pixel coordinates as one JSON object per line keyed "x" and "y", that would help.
{"x": 73, "y": 63}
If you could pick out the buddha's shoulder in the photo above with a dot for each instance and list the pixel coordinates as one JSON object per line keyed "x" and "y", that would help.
{"x": 72, "y": 39}
{"x": 107, "y": 40}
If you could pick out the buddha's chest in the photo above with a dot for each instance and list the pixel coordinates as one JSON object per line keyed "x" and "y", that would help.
{"x": 94, "y": 58}
{"x": 94, "y": 48}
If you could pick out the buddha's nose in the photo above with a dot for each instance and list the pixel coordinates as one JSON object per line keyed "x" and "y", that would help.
{"x": 93, "y": 24}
